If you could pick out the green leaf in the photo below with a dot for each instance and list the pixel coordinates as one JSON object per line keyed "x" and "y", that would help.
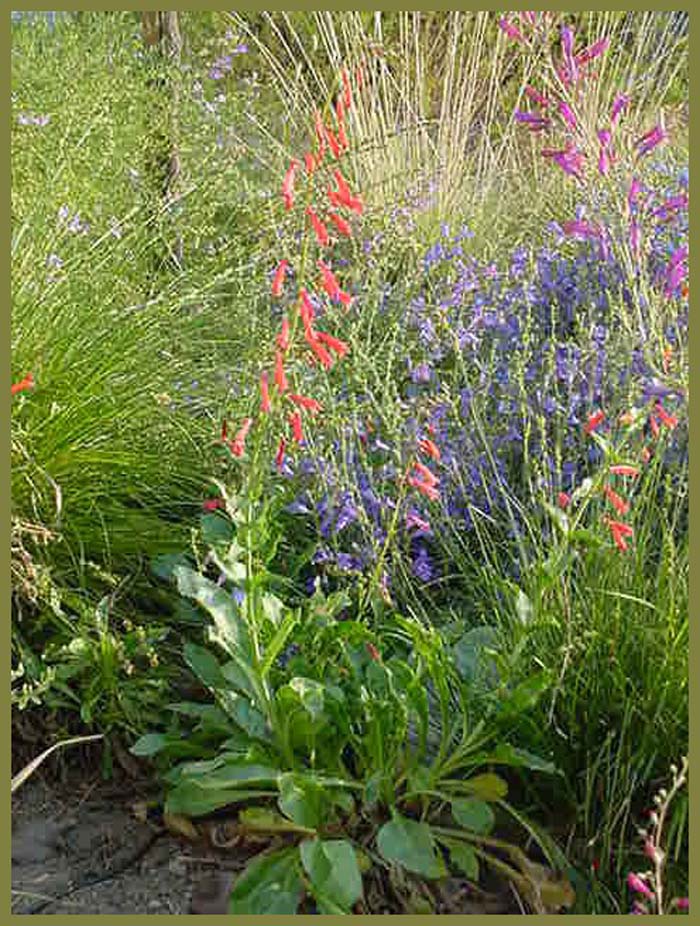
{"x": 301, "y": 800}
{"x": 473, "y": 814}
{"x": 231, "y": 632}
{"x": 190, "y": 799}
{"x": 487, "y": 787}
{"x": 150, "y": 744}
{"x": 465, "y": 859}
{"x": 230, "y": 773}
{"x": 205, "y": 666}
{"x": 525, "y": 695}
{"x": 310, "y": 694}
{"x": 272, "y": 608}
{"x": 505, "y": 754}
{"x": 276, "y": 644}
{"x": 245, "y": 714}
{"x": 264, "y": 820}
{"x": 216, "y": 528}
{"x": 239, "y": 676}
{"x": 163, "y": 566}
{"x": 523, "y": 607}
{"x": 333, "y": 871}
{"x": 410, "y": 844}
{"x": 474, "y": 657}
{"x": 270, "y": 884}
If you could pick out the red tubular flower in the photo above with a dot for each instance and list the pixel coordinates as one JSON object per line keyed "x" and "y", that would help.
{"x": 295, "y": 421}
{"x": 423, "y": 487}
{"x": 309, "y": 162}
{"x": 619, "y": 532}
{"x": 319, "y": 228}
{"x": 26, "y": 383}
{"x": 306, "y": 311}
{"x": 282, "y": 339}
{"x": 619, "y": 504}
{"x": 654, "y": 425}
{"x": 278, "y": 280}
{"x": 288, "y": 184}
{"x": 334, "y": 198}
{"x": 340, "y": 110}
{"x": 359, "y": 77}
{"x": 425, "y": 474}
{"x": 620, "y": 469}
{"x": 333, "y": 142}
{"x": 645, "y": 454}
{"x": 279, "y": 456}
{"x": 347, "y": 92}
{"x": 280, "y": 375}
{"x": 620, "y": 103}
{"x": 669, "y": 420}
{"x": 594, "y": 421}
{"x": 319, "y": 350}
{"x": 563, "y": 500}
{"x": 309, "y": 405}
{"x": 265, "y": 404}
{"x": 340, "y": 223}
{"x": 429, "y": 448}
{"x": 335, "y": 344}
{"x": 342, "y": 137}
{"x": 237, "y": 445}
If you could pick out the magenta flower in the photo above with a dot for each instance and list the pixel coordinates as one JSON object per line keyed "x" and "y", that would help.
{"x": 620, "y": 102}
{"x": 593, "y": 51}
{"x": 567, "y": 114}
{"x": 534, "y": 121}
{"x": 652, "y": 139}
{"x": 639, "y": 886}
{"x": 510, "y": 30}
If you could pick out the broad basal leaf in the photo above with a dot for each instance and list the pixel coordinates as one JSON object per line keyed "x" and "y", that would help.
{"x": 410, "y": 843}
{"x": 333, "y": 870}
{"x": 271, "y": 884}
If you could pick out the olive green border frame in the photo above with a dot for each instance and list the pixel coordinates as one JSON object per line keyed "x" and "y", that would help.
{"x": 5, "y": 341}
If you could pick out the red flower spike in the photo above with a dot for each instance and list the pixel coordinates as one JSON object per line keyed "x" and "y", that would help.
{"x": 342, "y": 137}
{"x": 334, "y": 198}
{"x": 619, "y": 504}
{"x": 280, "y": 375}
{"x": 288, "y": 184}
{"x": 335, "y": 344}
{"x": 237, "y": 445}
{"x": 295, "y": 421}
{"x": 619, "y": 532}
{"x": 594, "y": 421}
{"x": 319, "y": 351}
{"x": 429, "y": 448}
{"x": 620, "y": 469}
{"x": 347, "y": 92}
{"x": 309, "y": 162}
{"x": 424, "y": 488}
{"x": 265, "y": 404}
{"x": 340, "y": 223}
{"x": 669, "y": 420}
{"x": 309, "y": 405}
{"x": 319, "y": 228}
{"x": 282, "y": 339}
{"x": 306, "y": 311}
{"x": 26, "y": 383}
{"x": 333, "y": 142}
{"x": 654, "y": 425}
{"x": 646, "y": 455}
{"x": 425, "y": 474}
{"x": 278, "y": 279}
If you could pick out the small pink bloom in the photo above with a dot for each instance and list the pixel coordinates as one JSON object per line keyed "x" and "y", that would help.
{"x": 563, "y": 500}
{"x": 211, "y": 504}
{"x": 340, "y": 223}
{"x": 319, "y": 228}
{"x": 593, "y": 51}
{"x": 567, "y": 114}
{"x": 309, "y": 405}
{"x": 620, "y": 469}
{"x": 510, "y": 30}
{"x": 429, "y": 448}
{"x": 620, "y": 103}
{"x": 282, "y": 339}
{"x": 652, "y": 139}
{"x": 237, "y": 445}
{"x": 594, "y": 422}
{"x": 337, "y": 346}
{"x": 619, "y": 504}
{"x": 279, "y": 456}
{"x": 636, "y": 884}
{"x": 280, "y": 375}
{"x": 295, "y": 421}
